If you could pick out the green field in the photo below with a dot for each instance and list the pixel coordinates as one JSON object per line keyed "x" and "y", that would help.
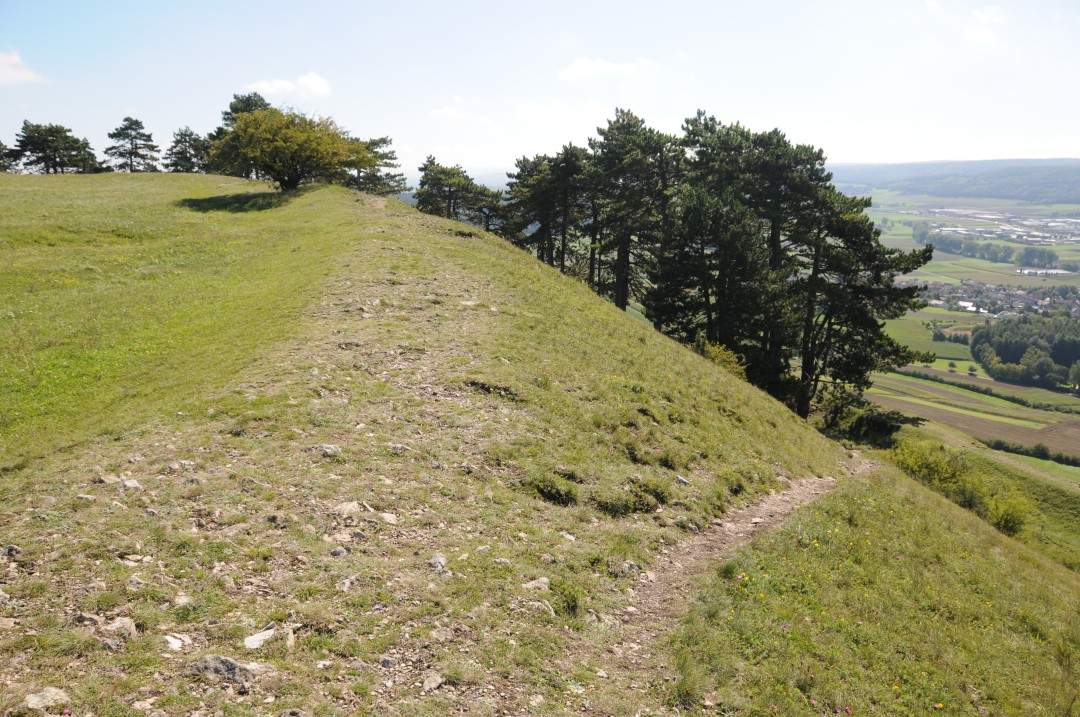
{"x": 911, "y": 331}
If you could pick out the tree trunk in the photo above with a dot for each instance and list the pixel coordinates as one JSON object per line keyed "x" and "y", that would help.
{"x": 622, "y": 272}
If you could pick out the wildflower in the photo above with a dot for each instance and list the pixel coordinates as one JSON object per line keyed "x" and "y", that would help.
{"x": 784, "y": 628}
{"x": 939, "y": 706}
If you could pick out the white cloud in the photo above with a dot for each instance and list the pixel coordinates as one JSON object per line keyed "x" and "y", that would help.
{"x": 988, "y": 16}
{"x": 447, "y": 112}
{"x": 932, "y": 5}
{"x": 311, "y": 84}
{"x": 980, "y": 35}
{"x": 13, "y": 71}
{"x": 591, "y": 68}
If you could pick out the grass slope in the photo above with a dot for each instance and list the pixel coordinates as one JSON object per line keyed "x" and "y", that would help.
{"x": 384, "y": 459}
{"x": 123, "y": 295}
{"x": 418, "y": 394}
{"x": 883, "y": 599}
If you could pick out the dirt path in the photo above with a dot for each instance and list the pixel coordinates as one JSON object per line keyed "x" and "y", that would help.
{"x": 663, "y": 596}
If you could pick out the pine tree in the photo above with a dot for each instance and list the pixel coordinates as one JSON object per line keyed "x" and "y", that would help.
{"x": 52, "y": 149}
{"x": 377, "y": 179}
{"x": 7, "y": 158}
{"x": 189, "y": 152}
{"x": 134, "y": 150}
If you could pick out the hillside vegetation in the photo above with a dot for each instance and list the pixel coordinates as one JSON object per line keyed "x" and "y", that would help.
{"x": 418, "y": 472}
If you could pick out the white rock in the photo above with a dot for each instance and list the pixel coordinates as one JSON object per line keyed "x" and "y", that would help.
{"x": 388, "y": 518}
{"x": 351, "y": 509}
{"x": 254, "y": 642}
{"x": 175, "y": 643}
{"x": 47, "y": 698}
{"x": 132, "y": 484}
{"x": 540, "y": 584}
{"x": 124, "y": 626}
{"x": 432, "y": 681}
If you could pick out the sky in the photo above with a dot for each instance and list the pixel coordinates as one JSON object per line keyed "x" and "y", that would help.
{"x": 482, "y": 83}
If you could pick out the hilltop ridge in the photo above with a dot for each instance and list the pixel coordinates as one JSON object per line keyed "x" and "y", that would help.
{"x": 446, "y": 422}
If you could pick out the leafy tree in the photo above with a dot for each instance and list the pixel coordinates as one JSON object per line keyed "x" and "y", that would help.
{"x": 290, "y": 148}
{"x": 376, "y": 179}
{"x": 134, "y": 150}
{"x": 52, "y": 149}
{"x": 1074, "y": 376}
{"x": 229, "y": 161}
{"x": 189, "y": 152}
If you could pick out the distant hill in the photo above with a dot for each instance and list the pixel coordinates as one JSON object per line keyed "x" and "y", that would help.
{"x": 1042, "y": 181}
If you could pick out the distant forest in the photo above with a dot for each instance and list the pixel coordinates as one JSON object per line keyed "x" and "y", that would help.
{"x": 1030, "y": 350}
{"x": 1045, "y": 181}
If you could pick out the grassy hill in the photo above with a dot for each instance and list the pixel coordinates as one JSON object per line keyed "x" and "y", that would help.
{"x": 435, "y": 477}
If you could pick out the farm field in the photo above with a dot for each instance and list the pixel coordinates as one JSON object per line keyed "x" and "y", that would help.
{"x": 954, "y": 269}
{"x": 1031, "y": 394}
{"x": 911, "y": 331}
{"x": 977, "y": 415}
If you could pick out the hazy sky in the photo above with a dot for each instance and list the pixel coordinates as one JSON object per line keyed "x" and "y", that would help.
{"x": 482, "y": 83}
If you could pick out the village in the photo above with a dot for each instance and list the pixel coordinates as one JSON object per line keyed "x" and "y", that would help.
{"x": 999, "y": 301}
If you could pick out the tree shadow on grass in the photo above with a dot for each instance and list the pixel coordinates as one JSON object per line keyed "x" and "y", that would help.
{"x": 873, "y": 426}
{"x": 245, "y": 202}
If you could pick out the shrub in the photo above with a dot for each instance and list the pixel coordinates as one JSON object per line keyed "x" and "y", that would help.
{"x": 1009, "y": 513}
{"x": 615, "y": 504}
{"x": 720, "y": 355}
{"x": 553, "y": 489}
{"x": 569, "y": 597}
{"x": 659, "y": 490}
